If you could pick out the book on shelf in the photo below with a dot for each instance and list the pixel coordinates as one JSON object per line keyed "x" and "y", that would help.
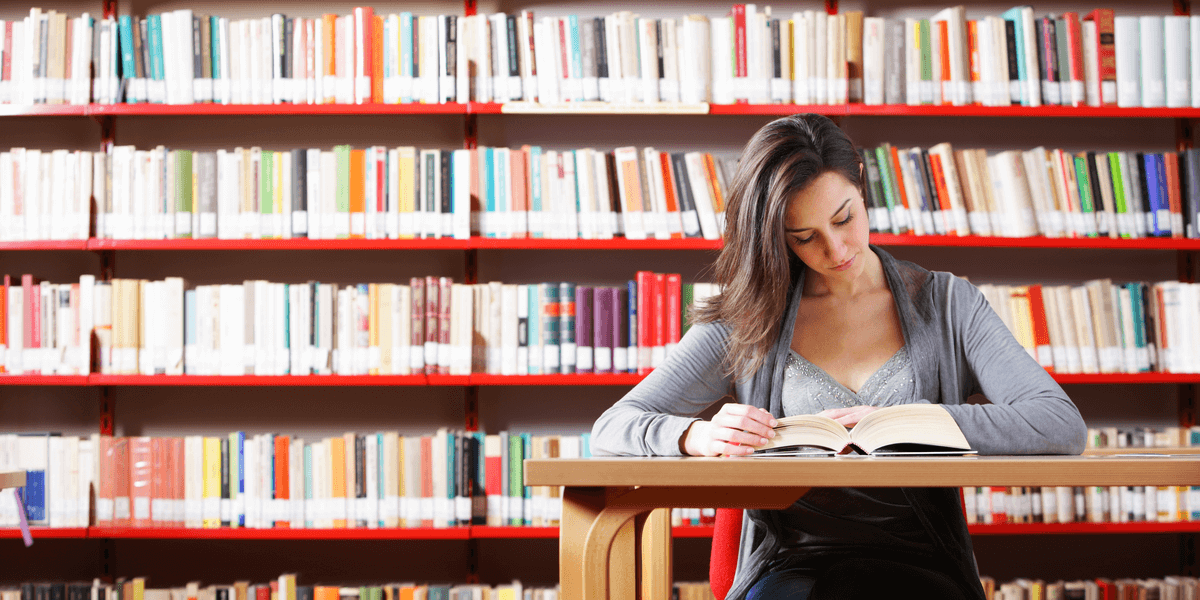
{"x": 908, "y": 429}
{"x": 748, "y": 55}
{"x": 446, "y": 478}
{"x": 284, "y": 587}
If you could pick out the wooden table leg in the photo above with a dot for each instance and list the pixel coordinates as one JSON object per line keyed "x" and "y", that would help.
{"x": 593, "y": 518}
{"x": 654, "y": 553}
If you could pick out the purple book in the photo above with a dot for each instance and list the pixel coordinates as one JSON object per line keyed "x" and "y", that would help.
{"x": 620, "y": 306}
{"x": 602, "y": 330}
{"x": 583, "y": 329}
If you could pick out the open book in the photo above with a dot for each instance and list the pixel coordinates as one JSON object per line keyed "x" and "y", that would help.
{"x": 900, "y": 429}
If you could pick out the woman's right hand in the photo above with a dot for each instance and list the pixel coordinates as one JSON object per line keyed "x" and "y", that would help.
{"x": 737, "y": 429}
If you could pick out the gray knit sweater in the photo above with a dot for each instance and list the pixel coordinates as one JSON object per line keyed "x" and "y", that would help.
{"x": 958, "y": 346}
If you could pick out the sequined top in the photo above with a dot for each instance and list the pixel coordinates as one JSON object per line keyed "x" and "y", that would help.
{"x": 830, "y": 523}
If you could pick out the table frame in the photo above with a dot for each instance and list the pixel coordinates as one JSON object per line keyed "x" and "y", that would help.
{"x": 615, "y": 535}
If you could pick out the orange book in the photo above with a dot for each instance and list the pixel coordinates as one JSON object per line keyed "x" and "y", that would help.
{"x": 104, "y": 487}
{"x": 944, "y": 34}
{"x": 520, "y": 185}
{"x": 714, "y": 184}
{"x": 426, "y": 478}
{"x": 329, "y": 69}
{"x": 669, "y": 193}
{"x": 141, "y": 480}
{"x": 1041, "y": 327}
{"x": 120, "y": 476}
{"x": 358, "y": 209}
{"x": 939, "y": 180}
{"x": 476, "y": 206}
{"x": 1171, "y": 160}
{"x": 377, "y": 60}
{"x": 898, "y": 173}
{"x": 337, "y": 475}
{"x": 282, "y": 446}
{"x": 177, "y": 482}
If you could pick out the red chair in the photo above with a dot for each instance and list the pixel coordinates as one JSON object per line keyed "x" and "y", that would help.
{"x": 722, "y": 563}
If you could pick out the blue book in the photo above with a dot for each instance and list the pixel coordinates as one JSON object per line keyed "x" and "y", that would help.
{"x": 535, "y": 187}
{"x": 406, "y": 56}
{"x": 214, "y": 26}
{"x": 453, "y": 460}
{"x": 631, "y": 318}
{"x": 550, "y": 329}
{"x": 488, "y": 219}
{"x": 527, "y": 446}
{"x": 1014, "y": 15}
{"x": 157, "y": 70}
{"x": 576, "y": 57}
{"x": 1156, "y": 187}
{"x": 128, "y": 64}
{"x": 566, "y": 326}
{"x": 585, "y": 444}
{"x": 241, "y": 477}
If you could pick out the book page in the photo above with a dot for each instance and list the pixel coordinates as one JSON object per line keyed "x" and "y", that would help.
{"x": 919, "y": 424}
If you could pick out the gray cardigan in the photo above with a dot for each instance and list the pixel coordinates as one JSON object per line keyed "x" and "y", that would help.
{"x": 959, "y": 347}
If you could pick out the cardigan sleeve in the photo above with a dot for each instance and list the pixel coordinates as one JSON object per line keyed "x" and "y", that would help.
{"x": 1028, "y": 412}
{"x": 650, "y": 419}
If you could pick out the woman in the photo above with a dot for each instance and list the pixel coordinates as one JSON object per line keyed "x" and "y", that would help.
{"x": 813, "y": 319}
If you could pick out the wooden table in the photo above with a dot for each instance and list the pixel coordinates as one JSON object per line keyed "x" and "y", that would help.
{"x": 615, "y": 534}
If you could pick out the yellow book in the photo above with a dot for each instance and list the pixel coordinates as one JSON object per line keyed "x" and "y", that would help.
{"x": 212, "y": 482}
{"x": 386, "y": 290}
{"x": 407, "y": 179}
{"x": 139, "y": 588}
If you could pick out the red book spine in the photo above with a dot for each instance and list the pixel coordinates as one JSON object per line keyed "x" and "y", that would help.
{"x": 4, "y": 291}
{"x": 262, "y": 592}
{"x": 674, "y": 310}
{"x": 177, "y": 482}
{"x": 520, "y": 189}
{"x": 671, "y": 195}
{"x": 381, "y": 180}
{"x": 492, "y": 471}
{"x": 282, "y": 444}
{"x": 564, "y": 42}
{"x": 104, "y": 487}
{"x": 6, "y": 74}
{"x": 739, "y": 48}
{"x": 365, "y": 26}
{"x": 417, "y": 314}
{"x": 141, "y": 473}
{"x": 1106, "y": 54}
{"x": 645, "y": 318}
{"x": 939, "y": 180}
{"x": 1041, "y": 328}
{"x": 32, "y": 320}
{"x": 660, "y": 319}
{"x": 1174, "y": 202}
{"x": 1075, "y": 52}
{"x": 443, "y": 367}
{"x": 898, "y": 173}
{"x": 1048, "y": 51}
{"x": 120, "y": 475}
{"x": 973, "y": 56}
{"x": 433, "y": 326}
{"x": 944, "y": 35}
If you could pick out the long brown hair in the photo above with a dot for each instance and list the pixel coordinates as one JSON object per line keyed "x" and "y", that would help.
{"x": 756, "y": 269}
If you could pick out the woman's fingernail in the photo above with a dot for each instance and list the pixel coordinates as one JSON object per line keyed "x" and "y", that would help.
{"x": 763, "y": 441}
{"x": 774, "y": 423}
{"x": 770, "y": 434}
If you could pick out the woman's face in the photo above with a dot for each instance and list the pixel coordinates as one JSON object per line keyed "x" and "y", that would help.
{"x": 826, "y": 226}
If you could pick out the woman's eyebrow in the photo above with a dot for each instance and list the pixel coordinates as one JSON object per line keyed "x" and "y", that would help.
{"x": 799, "y": 229}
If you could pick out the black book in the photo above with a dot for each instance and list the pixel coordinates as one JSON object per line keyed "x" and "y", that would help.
{"x": 224, "y": 482}
{"x": 285, "y": 55}
{"x": 601, "y": 48}
{"x": 27, "y": 592}
{"x": 459, "y": 486}
{"x": 221, "y": 592}
{"x": 1050, "y": 40}
{"x": 1014, "y": 78}
{"x": 873, "y": 188}
{"x": 776, "y": 66}
{"x": 304, "y": 592}
{"x": 514, "y": 57}
{"x": 1189, "y": 161}
{"x": 141, "y": 39}
{"x": 1039, "y": 26}
{"x": 477, "y": 478}
{"x": 1097, "y": 195}
{"x": 430, "y": 174}
{"x": 687, "y": 203}
{"x": 1143, "y": 180}
{"x": 451, "y": 47}
{"x": 205, "y": 47}
{"x": 614, "y": 196}
{"x": 299, "y": 192}
{"x": 446, "y": 200}
{"x": 658, "y": 45}
{"x": 360, "y": 472}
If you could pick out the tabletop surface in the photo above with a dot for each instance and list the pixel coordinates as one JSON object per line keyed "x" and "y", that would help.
{"x": 863, "y": 471}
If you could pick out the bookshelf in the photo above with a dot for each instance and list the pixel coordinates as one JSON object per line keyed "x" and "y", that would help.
{"x": 481, "y": 397}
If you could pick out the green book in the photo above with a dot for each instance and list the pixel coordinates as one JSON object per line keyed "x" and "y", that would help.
{"x": 1118, "y": 183}
{"x": 1083, "y": 183}
{"x": 184, "y": 206}
{"x": 516, "y": 479}
{"x": 527, "y": 492}
{"x": 342, "y": 156}
{"x": 308, "y": 481}
{"x": 887, "y": 182}
{"x": 687, "y": 298}
{"x": 927, "y": 81}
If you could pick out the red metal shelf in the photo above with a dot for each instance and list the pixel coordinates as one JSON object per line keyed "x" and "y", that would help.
{"x": 45, "y": 245}
{"x": 1066, "y": 528}
{"x": 1108, "y": 378}
{"x": 887, "y": 239}
{"x": 181, "y": 533}
{"x": 901, "y": 110}
{"x": 39, "y": 533}
{"x": 43, "y": 110}
{"x": 257, "y": 380}
{"x": 448, "y": 379}
{"x": 290, "y": 244}
{"x": 78, "y": 380}
{"x": 514, "y": 533}
{"x": 576, "y": 379}
{"x": 613, "y": 244}
{"x": 776, "y": 109}
{"x": 485, "y": 108}
{"x": 273, "y": 109}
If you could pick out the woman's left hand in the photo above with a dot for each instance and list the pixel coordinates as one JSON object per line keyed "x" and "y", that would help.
{"x": 849, "y": 417}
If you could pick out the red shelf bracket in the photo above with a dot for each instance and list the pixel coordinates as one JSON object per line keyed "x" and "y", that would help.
{"x": 831, "y": 6}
